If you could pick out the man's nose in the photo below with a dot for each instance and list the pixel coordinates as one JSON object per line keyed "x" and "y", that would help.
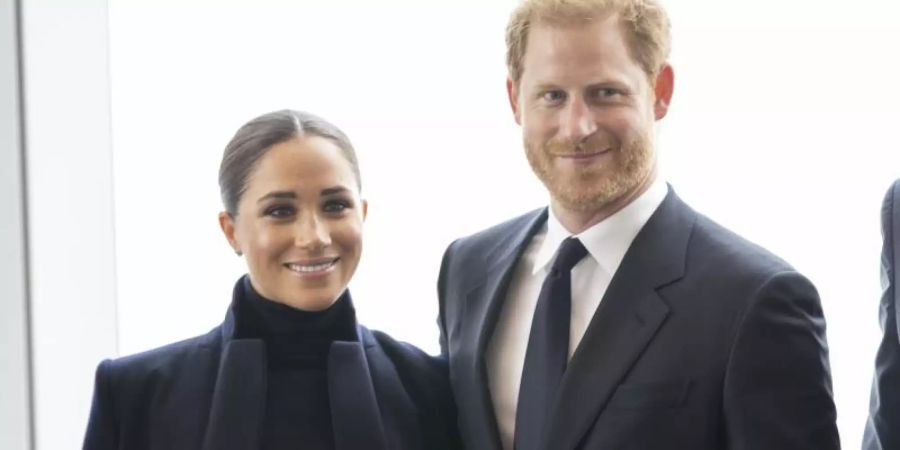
{"x": 577, "y": 121}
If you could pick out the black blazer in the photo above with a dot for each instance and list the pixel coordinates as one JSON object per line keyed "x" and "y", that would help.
{"x": 703, "y": 340}
{"x": 208, "y": 393}
{"x": 883, "y": 426}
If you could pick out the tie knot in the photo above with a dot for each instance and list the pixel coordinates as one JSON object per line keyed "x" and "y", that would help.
{"x": 570, "y": 252}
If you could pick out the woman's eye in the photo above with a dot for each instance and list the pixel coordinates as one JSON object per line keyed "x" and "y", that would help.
{"x": 336, "y": 206}
{"x": 280, "y": 212}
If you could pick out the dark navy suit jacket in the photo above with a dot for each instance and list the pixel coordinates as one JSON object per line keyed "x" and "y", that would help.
{"x": 208, "y": 393}
{"x": 703, "y": 341}
{"x": 883, "y": 428}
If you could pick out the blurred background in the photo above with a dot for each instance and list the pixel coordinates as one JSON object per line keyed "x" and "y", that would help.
{"x": 114, "y": 115}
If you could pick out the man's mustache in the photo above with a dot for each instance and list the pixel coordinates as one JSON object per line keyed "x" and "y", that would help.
{"x": 577, "y": 148}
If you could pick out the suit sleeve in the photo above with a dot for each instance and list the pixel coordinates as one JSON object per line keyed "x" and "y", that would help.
{"x": 442, "y": 299}
{"x": 777, "y": 393}
{"x": 884, "y": 408}
{"x": 101, "y": 429}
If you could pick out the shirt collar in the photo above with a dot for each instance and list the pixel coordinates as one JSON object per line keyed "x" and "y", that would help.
{"x": 608, "y": 240}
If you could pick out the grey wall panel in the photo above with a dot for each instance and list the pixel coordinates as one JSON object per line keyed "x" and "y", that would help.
{"x": 15, "y": 408}
{"x": 71, "y": 252}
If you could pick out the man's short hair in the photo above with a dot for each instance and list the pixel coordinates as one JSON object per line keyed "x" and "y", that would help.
{"x": 644, "y": 22}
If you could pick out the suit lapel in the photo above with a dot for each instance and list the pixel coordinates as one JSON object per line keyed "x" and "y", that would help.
{"x": 239, "y": 397}
{"x": 626, "y": 321}
{"x": 483, "y": 305}
{"x": 398, "y": 413}
{"x": 355, "y": 417}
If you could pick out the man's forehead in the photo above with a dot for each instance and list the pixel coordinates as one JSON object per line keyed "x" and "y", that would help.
{"x": 572, "y": 21}
{"x": 598, "y": 35}
{"x": 598, "y": 48}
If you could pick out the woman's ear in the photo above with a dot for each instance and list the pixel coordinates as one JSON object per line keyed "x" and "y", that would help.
{"x": 365, "y": 209}
{"x": 226, "y": 223}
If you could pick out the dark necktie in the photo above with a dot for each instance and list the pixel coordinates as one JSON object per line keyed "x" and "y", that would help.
{"x": 548, "y": 348}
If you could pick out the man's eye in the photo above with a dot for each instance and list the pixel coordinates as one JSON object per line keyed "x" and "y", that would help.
{"x": 606, "y": 93}
{"x": 553, "y": 96}
{"x": 280, "y": 212}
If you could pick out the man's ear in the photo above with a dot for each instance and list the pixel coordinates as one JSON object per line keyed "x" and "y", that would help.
{"x": 665, "y": 85}
{"x": 512, "y": 91}
{"x": 365, "y": 209}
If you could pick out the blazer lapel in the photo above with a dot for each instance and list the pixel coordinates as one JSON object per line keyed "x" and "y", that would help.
{"x": 355, "y": 416}
{"x": 399, "y": 416}
{"x": 483, "y": 304}
{"x": 238, "y": 404}
{"x": 623, "y": 325}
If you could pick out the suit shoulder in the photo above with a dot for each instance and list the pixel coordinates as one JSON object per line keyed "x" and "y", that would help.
{"x": 717, "y": 246}
{"x": 470, "y": 252}
{"x": 405, "y": 356}
{"x": 422, "y": 374}
{"x": 161, "y": 360}
{"x": 500, "y": 231}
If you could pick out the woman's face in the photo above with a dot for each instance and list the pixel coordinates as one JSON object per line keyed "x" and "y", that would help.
{"x": 299, "y": 223}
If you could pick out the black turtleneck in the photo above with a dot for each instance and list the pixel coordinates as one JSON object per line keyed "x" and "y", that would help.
{"x": 298, "y": 414}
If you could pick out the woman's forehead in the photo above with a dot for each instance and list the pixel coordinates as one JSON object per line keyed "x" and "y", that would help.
{"x": 308, "y": 163}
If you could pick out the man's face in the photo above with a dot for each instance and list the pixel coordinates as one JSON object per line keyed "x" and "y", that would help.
{"x": 587, "y": 111}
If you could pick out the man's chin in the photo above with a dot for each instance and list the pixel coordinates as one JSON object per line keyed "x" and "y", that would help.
{"x": 583, "y": 202}
{"x": 588, "y": 198}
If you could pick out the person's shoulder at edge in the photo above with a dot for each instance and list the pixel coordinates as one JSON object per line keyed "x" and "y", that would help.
{"x": 155, "y": 361}
{"x": 495, "y": 234}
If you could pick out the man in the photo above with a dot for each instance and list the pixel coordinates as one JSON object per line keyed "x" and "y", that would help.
{"x": 883, "y": 427}
{"x": 619, "y": 318}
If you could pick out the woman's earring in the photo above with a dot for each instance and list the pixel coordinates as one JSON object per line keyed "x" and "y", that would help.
{"x": 239, "y": 253}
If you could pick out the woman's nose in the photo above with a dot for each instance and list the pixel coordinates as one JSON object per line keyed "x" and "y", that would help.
{"x": 312, "y": 233}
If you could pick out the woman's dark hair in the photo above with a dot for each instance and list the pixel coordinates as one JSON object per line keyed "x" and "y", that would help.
{"x": 257, "y": 136}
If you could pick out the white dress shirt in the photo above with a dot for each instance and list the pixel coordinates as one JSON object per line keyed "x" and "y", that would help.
{"x": 606, "y": 243}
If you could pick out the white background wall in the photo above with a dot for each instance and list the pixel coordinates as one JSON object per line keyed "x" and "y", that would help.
{"x": 782, "y": 128}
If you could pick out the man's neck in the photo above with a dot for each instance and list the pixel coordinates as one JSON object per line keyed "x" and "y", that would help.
{"x": 576, "y": 221}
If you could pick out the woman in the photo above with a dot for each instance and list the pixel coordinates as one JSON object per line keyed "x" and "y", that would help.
{"x": 289, "y": 368}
